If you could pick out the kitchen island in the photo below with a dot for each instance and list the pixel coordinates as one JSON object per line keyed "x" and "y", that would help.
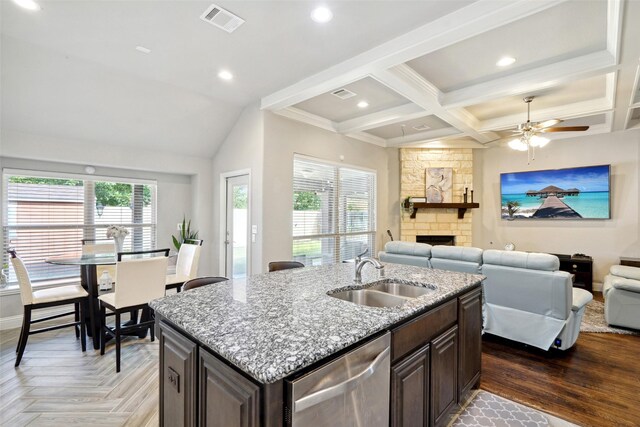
{"x": 228, "y": 351}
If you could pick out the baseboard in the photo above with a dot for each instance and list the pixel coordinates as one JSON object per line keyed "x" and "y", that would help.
{"x": 597, "y": 286}
{"x": 13, "y": 322}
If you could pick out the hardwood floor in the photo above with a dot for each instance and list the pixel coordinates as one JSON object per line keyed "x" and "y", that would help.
{"x": 595, "y": 383}
{"x": 58, "y": 385}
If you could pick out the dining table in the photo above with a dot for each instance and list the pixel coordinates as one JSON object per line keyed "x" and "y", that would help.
{"x": 88, "y": 264}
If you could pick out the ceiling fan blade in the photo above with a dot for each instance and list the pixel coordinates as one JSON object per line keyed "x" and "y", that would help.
{"x": 548, "y": 123}
{"x": 566, "y": 129}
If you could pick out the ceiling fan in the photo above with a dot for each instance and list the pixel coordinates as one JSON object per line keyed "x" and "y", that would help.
{"x": 529, "y": 132}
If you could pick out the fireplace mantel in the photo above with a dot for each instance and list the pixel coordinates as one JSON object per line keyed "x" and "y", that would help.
{"x": 462, "y": 207}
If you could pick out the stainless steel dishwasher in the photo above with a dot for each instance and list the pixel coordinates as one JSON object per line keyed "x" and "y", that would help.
{"x": 352, "y": 390}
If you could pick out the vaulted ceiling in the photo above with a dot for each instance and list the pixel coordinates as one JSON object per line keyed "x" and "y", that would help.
{"x": 426, "y": 68}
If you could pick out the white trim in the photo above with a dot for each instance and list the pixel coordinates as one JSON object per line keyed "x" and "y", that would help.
{"x": 532, "y": 80}
{"x": 614, "y": 28}
{"x": 423, "y": 136}
{"x": 77, "y": 176}
{"x": 308, "y": 118}
{"x": 12, "y": 322}
{"x": 222, "y": 262}
{"x": 469, "y": 21}
{"x": 367, "y": 137}
{"x": 390, "y": 116}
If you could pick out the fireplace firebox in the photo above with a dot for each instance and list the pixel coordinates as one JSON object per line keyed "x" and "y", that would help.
{"x": 437, "y": 240}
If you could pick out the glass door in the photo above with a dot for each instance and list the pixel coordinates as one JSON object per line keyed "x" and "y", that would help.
{"x": 237, "y": 227}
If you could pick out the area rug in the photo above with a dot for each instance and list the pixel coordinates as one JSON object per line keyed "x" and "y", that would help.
{"x": 488, "y": 410}
{"x": 593, "y": 321}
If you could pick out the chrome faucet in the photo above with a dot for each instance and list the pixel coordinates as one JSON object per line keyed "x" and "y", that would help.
{"x": 367, "y": 260}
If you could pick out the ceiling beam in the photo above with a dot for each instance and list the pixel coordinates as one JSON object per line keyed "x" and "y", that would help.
{"x": 367, "y": 137}
{"x": 423, "y": 136}
{"x": 404, "y": 80}
{"x": 308, "y": 118}
{"x": 477, "y": 18}
{"x": 564, "y": 112}
{"x": 390, "y": 116}
{"x": 527, "y": 82}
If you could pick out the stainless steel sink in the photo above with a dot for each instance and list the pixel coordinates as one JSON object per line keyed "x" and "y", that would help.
{"x": 400, "y": 289}
{"x": 370, "y": 298}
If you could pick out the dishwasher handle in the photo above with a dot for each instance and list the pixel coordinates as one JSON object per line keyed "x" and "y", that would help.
{"x": 344, "y": 387}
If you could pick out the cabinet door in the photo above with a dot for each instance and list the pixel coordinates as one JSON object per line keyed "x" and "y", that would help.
{"x": 470, "y": 341}
{"x": 444, "y": 378}
{"x": 178, "y": 358}
{"x": 227, "y": 399}
{"x": 410, "y": 390}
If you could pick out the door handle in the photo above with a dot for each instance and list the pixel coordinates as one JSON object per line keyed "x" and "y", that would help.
{"x": 344, "y": 387}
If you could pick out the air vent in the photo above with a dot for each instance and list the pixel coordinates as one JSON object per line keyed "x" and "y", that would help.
{"x": 221, "y": 18}
{"x": 421, "y": 127}
{"x": 343, "y": 93}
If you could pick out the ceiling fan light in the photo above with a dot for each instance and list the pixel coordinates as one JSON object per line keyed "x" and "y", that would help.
{"x": 518, "y": 144}
{"x": 538, "y": 141}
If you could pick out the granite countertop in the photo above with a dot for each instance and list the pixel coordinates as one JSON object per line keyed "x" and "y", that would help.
{"x": 272, "y": 325}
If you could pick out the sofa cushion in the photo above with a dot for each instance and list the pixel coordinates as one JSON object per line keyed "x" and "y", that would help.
{"x": 531, "y": 261}
{"x": 580, "y": 298}
{"x": 458, "y": 253}
{"x": 418, "y": 261}
{"x": 625, "y": 271}
{"x": 408, "y": 248}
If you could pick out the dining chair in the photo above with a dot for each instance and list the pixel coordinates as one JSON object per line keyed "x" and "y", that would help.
{"x": 101, "y": 246}
{"x": 140, "y": 277}
{"x": 46, "y": 298}
{"x": 284, "y": 265}
{"x": 186, "y": 265}
{"x": 202, "y": 281}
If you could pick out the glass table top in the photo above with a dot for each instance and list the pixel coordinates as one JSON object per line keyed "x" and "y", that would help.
{"x": 83, "y": 259}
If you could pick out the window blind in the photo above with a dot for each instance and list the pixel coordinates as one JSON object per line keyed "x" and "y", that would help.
{"x": 333, "y": 212}
{"x": 46, "y": 216}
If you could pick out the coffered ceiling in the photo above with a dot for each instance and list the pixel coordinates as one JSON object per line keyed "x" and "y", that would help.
{"x": 579, "y": 58}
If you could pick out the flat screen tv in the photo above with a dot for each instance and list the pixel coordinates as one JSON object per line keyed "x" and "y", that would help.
{"x": 572, "y": 193}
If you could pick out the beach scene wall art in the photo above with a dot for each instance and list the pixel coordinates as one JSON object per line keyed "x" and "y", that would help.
{"x": 573, "y": 193}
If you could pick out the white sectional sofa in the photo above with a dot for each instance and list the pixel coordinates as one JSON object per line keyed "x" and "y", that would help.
{"x": 526, "y": 298}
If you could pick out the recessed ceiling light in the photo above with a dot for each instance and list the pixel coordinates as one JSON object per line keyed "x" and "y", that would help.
{"x": 505, "y": 61}
{"x": 321, "y": 14}
{"x": 363, "y": 104}
{"x": 143, "y": 49}
{"x": 225, "y": 75}
{"x": 27, "y": 4}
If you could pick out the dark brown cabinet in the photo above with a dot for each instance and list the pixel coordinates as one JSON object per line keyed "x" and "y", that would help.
{"x": 410, "y": 390}
{"x": 178, "y": 359}
{"x": 435, "y": 362}
{"x": 226, "y": 399}
{"x": 444, "y": 377}
{"x": 470, "y": 342}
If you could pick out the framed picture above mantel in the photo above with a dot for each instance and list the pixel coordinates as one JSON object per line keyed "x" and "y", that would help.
{"x": 571, "y": 193}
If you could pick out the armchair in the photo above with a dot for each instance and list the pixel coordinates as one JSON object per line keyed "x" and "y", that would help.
{"x": 528, "y": 300}
{"x": 621, "y": 291}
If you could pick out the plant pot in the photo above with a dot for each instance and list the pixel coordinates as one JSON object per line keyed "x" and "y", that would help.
{"x": 119, "y": 241}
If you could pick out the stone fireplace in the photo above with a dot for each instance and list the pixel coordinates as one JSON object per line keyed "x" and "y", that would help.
{"x": 436, "y": 222}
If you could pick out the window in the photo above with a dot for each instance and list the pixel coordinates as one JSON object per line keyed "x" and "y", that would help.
{"x": 48, "y": 215}
{"x": 333, "y": 212}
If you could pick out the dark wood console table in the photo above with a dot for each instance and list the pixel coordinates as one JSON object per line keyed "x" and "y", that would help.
{"x": 581, "y": 267}
{"x": 632, "y": 262}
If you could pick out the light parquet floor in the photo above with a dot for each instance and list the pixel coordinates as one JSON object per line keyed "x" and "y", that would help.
{"x": 58, "y": 385}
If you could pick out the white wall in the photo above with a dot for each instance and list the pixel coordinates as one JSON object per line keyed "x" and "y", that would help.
{"x": 242, "y": 149}
{"x": 604, "y": 240}
{"x": 283, "y": 139}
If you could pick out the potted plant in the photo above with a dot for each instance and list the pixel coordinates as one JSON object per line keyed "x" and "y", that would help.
{"x": 185, "y": 234}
